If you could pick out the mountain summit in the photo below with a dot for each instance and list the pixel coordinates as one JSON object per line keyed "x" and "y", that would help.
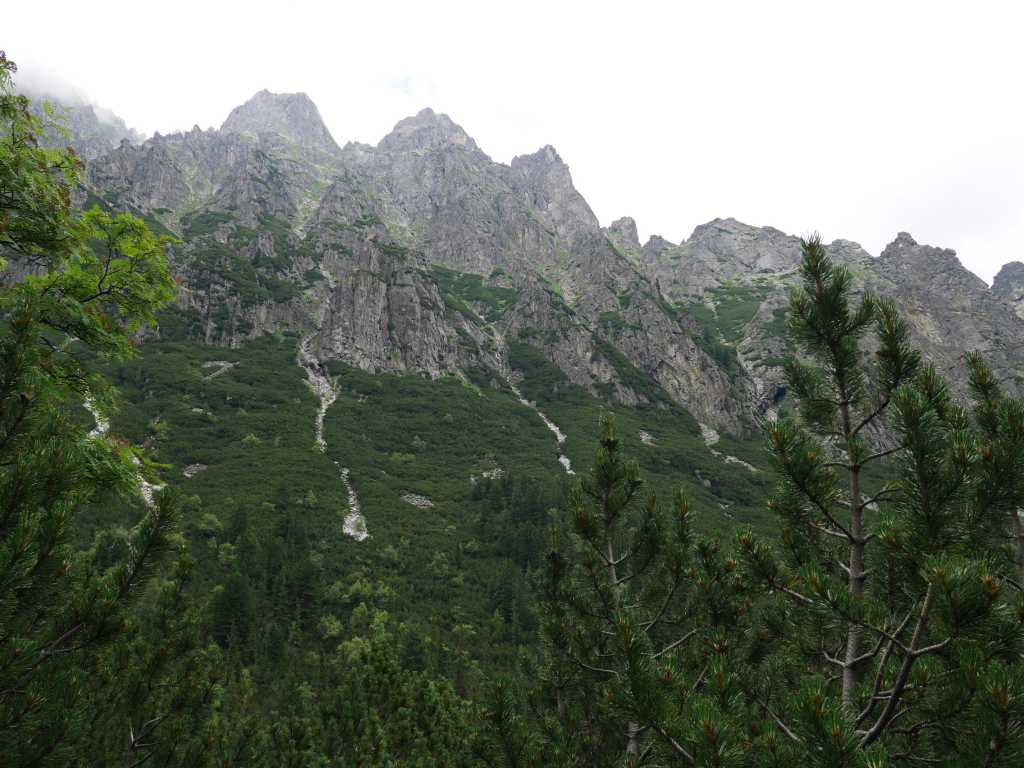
{"x": 426, "y": 130}
{"x": 291, "y": 115}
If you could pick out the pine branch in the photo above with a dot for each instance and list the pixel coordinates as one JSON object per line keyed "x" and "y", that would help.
{"x": 889, "y": 712}
{"x": 676, "y": 746}
{"x": 880, "y": 672}
{"x": 675, "y": 644}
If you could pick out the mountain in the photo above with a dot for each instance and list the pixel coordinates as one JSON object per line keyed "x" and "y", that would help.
{"x": 385, "y": 364}
{"x": 292, "y": 116}
{"x": 421, "y": 255}
{"x": 735, "y": 278}
{"x": 394, "y": 255}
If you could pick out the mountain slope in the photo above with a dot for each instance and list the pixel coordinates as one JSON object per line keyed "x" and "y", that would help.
{"x": 462, "y": 323}
{"x": 276, "y": 221}
{"x": 422, "y": 254}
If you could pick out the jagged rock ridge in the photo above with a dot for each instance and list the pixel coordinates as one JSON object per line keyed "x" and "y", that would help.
{"x": 424, "y": 254}
{"x": 949, "y": 309}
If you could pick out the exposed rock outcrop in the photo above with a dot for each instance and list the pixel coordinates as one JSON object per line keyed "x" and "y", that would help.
{"x": 292, "y": 116}
{"x": 1008, "y": 286}
{"x": 422, "y": 254}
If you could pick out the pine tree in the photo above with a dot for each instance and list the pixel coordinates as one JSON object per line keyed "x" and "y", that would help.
{"x": 1000, "y": 424}
{"x": 368, "y": 709}
{"x": 639, "y": 627}
{"x": 903, "y": 639}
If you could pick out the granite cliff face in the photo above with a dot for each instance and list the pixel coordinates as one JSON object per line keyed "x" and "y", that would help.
{"x": 422, "y": 254}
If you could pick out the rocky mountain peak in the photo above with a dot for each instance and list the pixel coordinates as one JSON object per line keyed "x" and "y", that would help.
{"x": 932, "y": 270}
{"x": 727, "y": 229}
{"x": 1008, "y": 286}
{"x": 903, "y": 241}
{"x": 291, "y": 115}
{"x": 546, "y": 178}
{"x": 1009, "y": 277}
{"x": 657, "y": 245}
{"x": 542, "y": 160}
{"x": 545, "y": 166}
{"x": 623, "y": 232}
{"x": 728, "y": 246}
{"x": 653, "y": 249}
{"x": 426, "y": 130}
{"x": 907, "y": 253}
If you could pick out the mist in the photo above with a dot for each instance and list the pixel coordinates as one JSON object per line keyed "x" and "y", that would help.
{"x": 43, "y": 82}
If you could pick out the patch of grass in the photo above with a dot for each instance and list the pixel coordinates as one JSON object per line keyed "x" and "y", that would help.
{"x": 157, "y": 226}
{"x": 393, "y": 249}
{"x": 286, "y": 245}
{"x": 467, "y": 293}
{"x": 734, "y": 308}
{"x": 205, "y": 223}
{"x": 366, "y": 221}
{"x": 611, "y": 321}
{"x": 723, "y": 319}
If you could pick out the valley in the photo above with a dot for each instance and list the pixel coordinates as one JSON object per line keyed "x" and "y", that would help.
{"x": 405, "y": 454}
{"x": 373, "y": 346}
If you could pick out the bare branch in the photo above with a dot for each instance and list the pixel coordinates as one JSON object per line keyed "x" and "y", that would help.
{"x": 675, "y": 644}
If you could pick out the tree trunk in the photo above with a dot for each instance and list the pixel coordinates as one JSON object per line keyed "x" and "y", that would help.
{"x": 632, "y": 728}
{"x": 900, "y": 683}
{"x": 1018, "y": 533}
{"x": 856, "y": 575}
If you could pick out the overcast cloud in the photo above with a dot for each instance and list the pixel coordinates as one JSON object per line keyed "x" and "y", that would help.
{"x": 858, "y": 119}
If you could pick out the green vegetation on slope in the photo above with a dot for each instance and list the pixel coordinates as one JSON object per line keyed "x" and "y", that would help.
{"x": 266, "y": 511}
{"x": 467, "y": 294}
{"x": 678, "y": 454}
{"x": 723, "y": 317}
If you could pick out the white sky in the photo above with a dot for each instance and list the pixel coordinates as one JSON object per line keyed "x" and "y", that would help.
{"x": 858, "y": 119}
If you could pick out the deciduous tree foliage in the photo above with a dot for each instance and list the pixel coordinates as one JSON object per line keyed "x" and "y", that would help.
{"x": 74, "y": 286}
